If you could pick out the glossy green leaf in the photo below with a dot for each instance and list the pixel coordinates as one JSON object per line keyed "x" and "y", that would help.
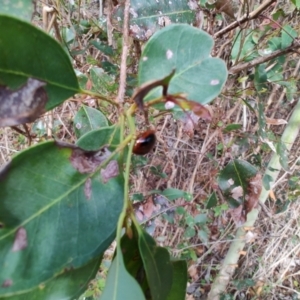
{"x": 236, "y": 174}
{"x": 157, "y": 266}
{"x": 120, "y": 284}
{"x": 187, "y": 50}
{"x": 178, "y": 289}
{"x": 22, "y": 9}
{"x": 148, "y": 16}
{"x": 133, "y": 260}
{"x": 88, "y": 119}
{"x": 64, "y": 218}
{"x": 95, "y": 139}
{"x": 68, "y": 286}
{"x": 39, "y": 56}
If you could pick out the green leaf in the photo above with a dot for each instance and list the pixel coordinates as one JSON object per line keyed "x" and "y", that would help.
{"x": 102, "y": 82}
{"x": 95, "y": 139}
{"x": 296, "y": 3}
{"x": 212, "y": 200}
{"x": 232, "y": 127}
{"x": 288, "y": 34}
{"x": 133, "y": 260}
{"x": 120, "y": 284}
{"x": 260, "y": 78}
{"x": 236, "y": 174}
{"x": 102, "y": 47}
{"x": 39, "y": 57}
{"x": 282, "y": 152}
{"x": 187, "y": 50}
{"x": 146, "y": 17}
{"x": 200, "y": 219}
{"x": 178, "y": 289}
{"x": 173, "y": 194}
{"x": 22, "y": 9}
{"x": 189, "y": 232}
{"x": 68, "y": 285}
{"x": 203, "y": 234}
{"x": 88, "y": 119}
{"x": 157, "y": 265}
{"x": 244, "y": 47}
{"x": 49, "y": 221}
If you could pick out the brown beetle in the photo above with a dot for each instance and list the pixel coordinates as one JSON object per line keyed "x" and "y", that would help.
{"x": 144, "y": 142}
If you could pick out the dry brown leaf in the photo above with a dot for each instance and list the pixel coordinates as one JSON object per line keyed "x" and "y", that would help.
{"x": 275, "y": 121}
{"x": 189, "y": 121}
{"x": 238, "y": 215}
{"x": 193, "y": 272}
{"x": 148, "y": 207}
{"x": 226, "y": 7}
{"x": 272, "y": 195}
{"x": 254, "y": 190}
{"x": 237, "y": 192}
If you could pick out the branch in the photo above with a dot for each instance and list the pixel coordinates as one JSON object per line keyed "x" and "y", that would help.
{"x": 123, "y": 71}
{"x": 260, "y": 60}
{"x": 230, "y": 262}
{"x": 245, "y": 18}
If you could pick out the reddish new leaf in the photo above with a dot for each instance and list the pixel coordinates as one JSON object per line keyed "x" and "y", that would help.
{"x": 144, "y": 89}
{"x": 197, "y": 108}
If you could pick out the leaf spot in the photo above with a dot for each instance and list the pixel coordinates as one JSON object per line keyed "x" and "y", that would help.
{"x": 20, "y": 241}
{"x": 78, "y": 126}
{"x": 145, "y": 58}
{"x": 88, "y": 188}
{"x": 133, "y": 13}
{"x": 169, "y": 105}
{"x": 7, "y": 283}
{"x": 169, "y": 54}
{"x": 214, "y": 81}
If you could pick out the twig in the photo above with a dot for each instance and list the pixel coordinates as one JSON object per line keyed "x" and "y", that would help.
{"x": 263, "y": 59}
{"x": 121, "y": 92}
{"x": 230, "y": 262}
{"x": 245, "y": 18}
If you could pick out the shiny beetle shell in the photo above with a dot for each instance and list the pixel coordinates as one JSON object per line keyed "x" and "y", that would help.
{"x": 144, "y": 142}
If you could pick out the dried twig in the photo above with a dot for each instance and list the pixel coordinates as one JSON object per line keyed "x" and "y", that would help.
{"x": 263, "y": 59}
{"x": 245, "y": 18}
{"x": 121, "y": 92}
